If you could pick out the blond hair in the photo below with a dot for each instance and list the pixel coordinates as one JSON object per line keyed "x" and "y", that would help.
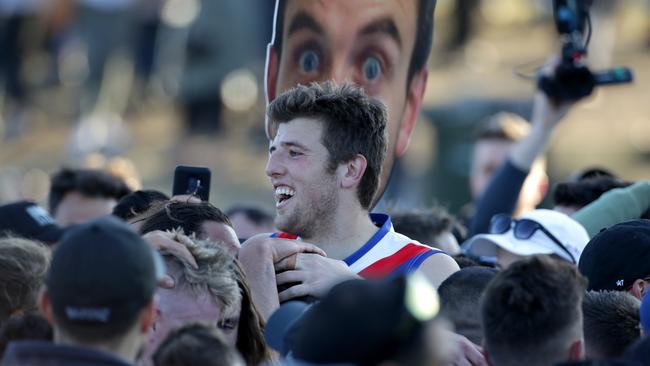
{"x": 216, "y": 273}
{"x": 23, "y": 267}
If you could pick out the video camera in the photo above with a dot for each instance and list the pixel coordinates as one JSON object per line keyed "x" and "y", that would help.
{"x": 573, "y": 80}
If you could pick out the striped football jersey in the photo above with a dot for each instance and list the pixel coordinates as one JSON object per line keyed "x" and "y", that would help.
{"x": 386, "y": 253}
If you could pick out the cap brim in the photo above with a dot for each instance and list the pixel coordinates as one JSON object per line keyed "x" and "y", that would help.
{"x": 279, "y": 323}
{"x": 485, "y": 245}
{"x": 50, "y": 234}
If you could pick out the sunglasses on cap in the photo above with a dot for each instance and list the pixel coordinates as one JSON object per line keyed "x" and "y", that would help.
{"x": 523, "y": 229}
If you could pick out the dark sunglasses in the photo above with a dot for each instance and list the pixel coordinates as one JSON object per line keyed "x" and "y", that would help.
{"x": 523, "y": 229}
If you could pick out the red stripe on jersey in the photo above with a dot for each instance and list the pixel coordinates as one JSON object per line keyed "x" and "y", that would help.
{"x": 282, "y": 235}
{"x": 386, "y": 266}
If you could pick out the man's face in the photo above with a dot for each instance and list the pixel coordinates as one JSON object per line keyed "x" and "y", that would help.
{"x": 306, "y": 193}
{"x": 367, "y": 42}
{"x": 221, "y": 233}
{"x": 506, "y": 258}
{"x": 247, "y": 228}
{"x": 180, "y": 306}
{"x": 76, "y": 208}
{"x": 488, "y": 156}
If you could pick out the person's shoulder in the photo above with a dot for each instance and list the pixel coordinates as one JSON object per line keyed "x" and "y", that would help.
{"x": 438, "y": 267}
{"x": 47, "y": 353}
{"x": 403, "y": 238}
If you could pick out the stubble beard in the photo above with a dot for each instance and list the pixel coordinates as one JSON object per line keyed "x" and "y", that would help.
{"x": 312, "y": 218}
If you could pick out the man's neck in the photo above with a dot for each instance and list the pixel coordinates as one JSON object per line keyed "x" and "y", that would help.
{"x": 349, "y": 231}
{"x": 122, "y": 348}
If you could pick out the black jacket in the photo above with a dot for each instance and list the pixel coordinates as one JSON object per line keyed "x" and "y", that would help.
{"x": 41, "y": 353}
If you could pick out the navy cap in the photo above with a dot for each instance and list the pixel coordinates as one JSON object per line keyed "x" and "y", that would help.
{"x": 617, "y": 256}
{"x": 280, "y": 322}
{"x": 363, "y": 321}
{"x": 29, "y": 220}
{"x": 102, "y": 272}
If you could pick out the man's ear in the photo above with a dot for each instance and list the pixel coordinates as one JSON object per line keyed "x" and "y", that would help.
{"x": 577, "y": 351}
{"x": 45, "y": 306}
{"x": 639, "y": 289}
{"x": 148, "y": 316}
{"x": 352, "y": 171}
{"x": 271, "y": 81}
{"x": 414, "y": 95}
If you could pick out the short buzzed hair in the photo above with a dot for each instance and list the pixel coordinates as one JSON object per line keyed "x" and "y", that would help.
{"x": 459, "y": 300}
{"x": 611, "y": 323}
{"x": 532, "y": 311}
{"x": 353, "y": 123}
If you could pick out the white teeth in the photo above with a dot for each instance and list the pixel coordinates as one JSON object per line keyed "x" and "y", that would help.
{"x": 283, "y": 190}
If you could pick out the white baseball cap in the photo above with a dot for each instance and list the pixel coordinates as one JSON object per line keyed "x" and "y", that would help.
{"x": 569, "y": 232}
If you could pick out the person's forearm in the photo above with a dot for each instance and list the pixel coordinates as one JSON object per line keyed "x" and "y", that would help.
{"x": 260, "y": 273}
{"x": 500, "y": 196}
{"x": 545, "y": 117}
{"x": 615, "y": 206}
{"x": 526, "y": 151}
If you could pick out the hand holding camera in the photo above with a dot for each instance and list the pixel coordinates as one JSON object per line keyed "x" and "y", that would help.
{"x": 572, "y": 80}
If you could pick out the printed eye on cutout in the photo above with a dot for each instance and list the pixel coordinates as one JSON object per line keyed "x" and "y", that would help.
{"x": 371, "y": 69}
{"x": 309, "y": 61}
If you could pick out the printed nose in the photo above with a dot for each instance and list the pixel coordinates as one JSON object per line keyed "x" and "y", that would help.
{"x": 341, "y": 73}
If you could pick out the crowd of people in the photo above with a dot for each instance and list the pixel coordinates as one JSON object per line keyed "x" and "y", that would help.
{"x": 110, "y": 276}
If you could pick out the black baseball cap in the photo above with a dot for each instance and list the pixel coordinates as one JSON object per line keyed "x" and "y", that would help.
{"x": 363, "y": 322}
{"x": 102, "y": 273}
{"x": 617, "y": 256}
{"x": 29, "y": 220}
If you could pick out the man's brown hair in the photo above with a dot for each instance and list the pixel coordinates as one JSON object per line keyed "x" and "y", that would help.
{"x": 611, "y": 323}
{"x": 353, "y": 123}
{"x": 189, "y": 216}
{"x": 23, "y": 266}
{"x": 531, "y": 312}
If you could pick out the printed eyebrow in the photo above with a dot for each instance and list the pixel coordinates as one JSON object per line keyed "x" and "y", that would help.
{"x": 302, "y": 20}
{"x": 383, "y": 26}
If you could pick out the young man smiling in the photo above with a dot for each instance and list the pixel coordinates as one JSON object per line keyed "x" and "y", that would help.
{"x": 325, "y": 165}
